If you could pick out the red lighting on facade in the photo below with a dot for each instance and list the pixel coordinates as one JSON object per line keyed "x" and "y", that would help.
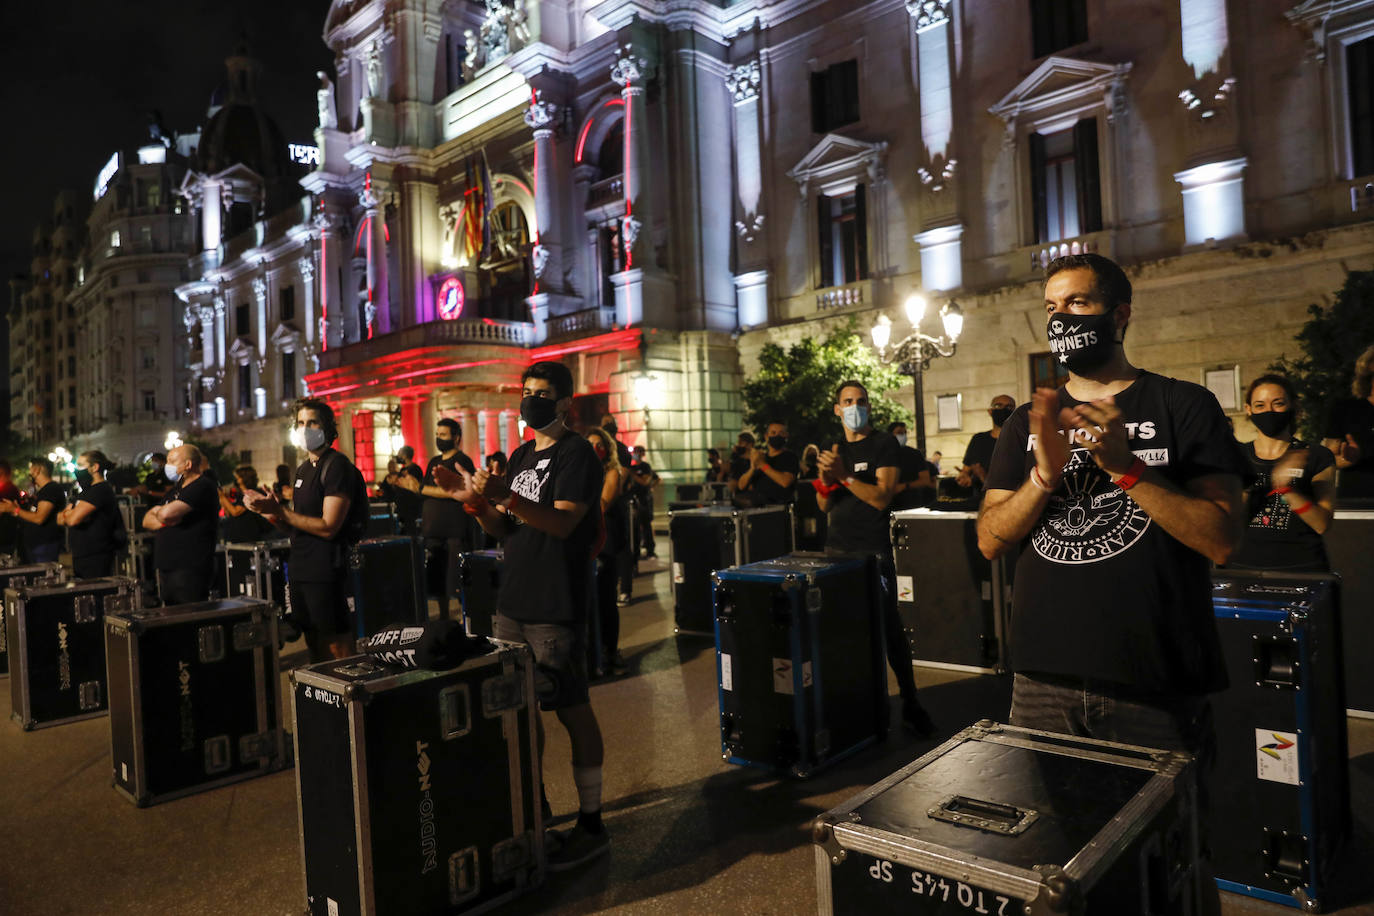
{"x": 586, "y": 128}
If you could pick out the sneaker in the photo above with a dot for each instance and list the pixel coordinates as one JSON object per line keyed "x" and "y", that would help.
{"x": 916, "y": 719}
{"x": 615, "y": 663}
{"x": 570, "y": 848}
{"x": 622, "y": 600}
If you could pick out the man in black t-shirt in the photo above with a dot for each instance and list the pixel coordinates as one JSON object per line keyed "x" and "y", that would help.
{"x": 328, "y": 514}
{"x": 1350, "y": 434}
{"x": 187, "y": 526}
{"x": 740, "y": 459}
{"x": 547, "y": 513}
{"x": 40, "y": 537}
{"x": 916, "y": 483}
{"x": 446, "y": 528}
{"x": 858, "y": 477}
{"x": 643, "y": 479}
{"x": 156, "y": 483}
{"x": 93, "y": 519}
{"x": 771, "y": 479}
{"x": 1116, "y": 489}
{"x": 978, "y": 455}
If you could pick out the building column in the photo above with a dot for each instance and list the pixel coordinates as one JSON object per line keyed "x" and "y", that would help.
{"x": 467, "y": 422}
{"x": 412, "y": 427}
{"x": 510, "y": 429}
{"x": 377, "y": 310}
{"x": 490, "y": 432}
{"x": 329, "y": 325}
{"x": 629, "y": 72}
{"x": 547, "y": 255}
{"x": 211, "y": 215}
{"x": 751, "y": 282}
{"x": 220, "y": 331}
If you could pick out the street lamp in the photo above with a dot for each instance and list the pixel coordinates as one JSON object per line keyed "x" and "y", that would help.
{"x": 914, "y": 352}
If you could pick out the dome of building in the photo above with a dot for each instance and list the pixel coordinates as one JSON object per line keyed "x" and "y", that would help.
{"x": 239, "y": 132}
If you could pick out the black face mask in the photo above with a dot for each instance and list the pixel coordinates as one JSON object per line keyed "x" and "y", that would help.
{"x": 443, "y": 445}
{"x": 538, "y": 412}
{"x": 84, "y": 477}
{"x": 1001, "y": 415}
{"x": 1275, "y": 424}
{"x": 777, "y": 442}
{"x": 1082, "y": 342}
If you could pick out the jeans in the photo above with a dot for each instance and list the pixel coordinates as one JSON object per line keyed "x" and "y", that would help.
{"x": 560, "y": 653}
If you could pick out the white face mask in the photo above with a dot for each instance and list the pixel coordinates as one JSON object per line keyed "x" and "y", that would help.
{"x": 173, "y": 473}
{"x": 900, "y": 437}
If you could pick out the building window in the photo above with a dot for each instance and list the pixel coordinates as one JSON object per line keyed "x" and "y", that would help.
{"x": 842, "y": 231}
{"x": 147, "y": 316}
{"x": 145, "y": 236}
{"x": 241, "y": 320}
{"x": 609, "y": 260}
{"x": 1065, "y": 182}
{"x": 154, "y": 195}
{"x": 150, "y": 401}
{"x": 286, "y": 303}
{"x": 835, "y": 96}
{"x": 246, "y": 456}
{"x": 114, "y": 238}
{"x": 59, "y": 399}
{"x": 71, "y": 367}
{"x": 288, "y": 376}
{"x": 245, "y": 386}
{"x": 1046, "y": 371}
{"x": 1359, "y": 67}
{"x": 1057, "y": 24}
{"x": 147, "y": 356}
{"x": 71, "y": 397}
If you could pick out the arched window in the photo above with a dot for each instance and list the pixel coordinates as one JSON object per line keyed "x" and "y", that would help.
{"x": 610, "y": 158}
{"x": 505, "y": 272}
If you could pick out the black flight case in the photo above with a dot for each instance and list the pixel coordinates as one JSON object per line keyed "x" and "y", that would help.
{"x": 479, "y": 583}
{"x": 56, "y": 635}
{"x": 195, "y": 697}
{"x": 387, "y": 583}
{"x": 257, "y": 569}
{"x": 954, "y": 603}
{"x": 800, "y": 671}
{"x": 19, "y": 577}
{"x": 718, "y": 537}
{"x": 1350, "y": 544}
{"x": 1280, "y": 803}
{"x": 1001, "y": 820}
{"x": 418, "y": 791}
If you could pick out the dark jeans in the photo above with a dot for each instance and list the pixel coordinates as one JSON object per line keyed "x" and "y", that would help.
{"x": 894, "y": 634}
{"x": 93, "y": 566}
{"x": 606, "y": 576}
{"x": 644, "y": 525}
{"x": 184, "y": 586}
{"x": 1113, "y": 712}
{"x": 441, "y": 569}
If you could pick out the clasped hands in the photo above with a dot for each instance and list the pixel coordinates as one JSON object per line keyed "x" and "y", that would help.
{"x": 832, "y": 466}
{"x": 472, "y": 488}
{"x": 1093, "y": 425}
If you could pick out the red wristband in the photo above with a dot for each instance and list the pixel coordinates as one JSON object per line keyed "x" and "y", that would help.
{"x": 1303, "y": 508}
{"x": 1279, "y": 491}
{"x": 823, "y": 488}
{"x": 1132, "y": 475}
{"x": 476, "y": 508}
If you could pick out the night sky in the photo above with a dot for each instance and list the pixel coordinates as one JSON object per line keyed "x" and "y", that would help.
{"x": 78, "y": 79}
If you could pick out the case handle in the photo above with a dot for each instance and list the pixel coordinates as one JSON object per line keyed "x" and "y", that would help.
{"x": 981, "y": 814}
{"x": 455, "y": 711}
{"x": 1277, "y": 662}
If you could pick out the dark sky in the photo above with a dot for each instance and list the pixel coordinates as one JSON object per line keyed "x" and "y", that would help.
{"x": 77, "y": 80}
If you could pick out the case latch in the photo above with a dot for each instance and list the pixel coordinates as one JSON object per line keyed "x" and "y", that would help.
{"x": 210, "y": 643}
{"x": 455, "y": 711}
{"x": 259, "y": 746}
{"x": 503, "y": 692}
{"x": 250, "y": 634}
{"x": 464, "y": 876}
{"x": 119, "y": 602}
{"x": 88, "y": 695}
{"x": 510, "y": 857}
{"x": 83, "y": 608}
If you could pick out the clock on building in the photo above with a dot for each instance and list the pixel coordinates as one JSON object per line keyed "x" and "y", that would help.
{"x": 449, "y": 299}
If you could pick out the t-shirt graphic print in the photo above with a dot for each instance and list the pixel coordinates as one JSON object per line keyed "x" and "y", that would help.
{"x": 1089, "y": 518}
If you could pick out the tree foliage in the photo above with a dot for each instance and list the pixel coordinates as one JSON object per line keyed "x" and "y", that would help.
{"x": 222, "y": 460}
{"x": 797, "y": 386}
{"x": 1330, "y": 341}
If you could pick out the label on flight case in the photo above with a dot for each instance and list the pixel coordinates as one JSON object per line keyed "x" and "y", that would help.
{"x": 943, "y": 890}
{"x": 727, "y": 677}
{"x": 1276, "y": 756}
{"x": 906, "y": 588}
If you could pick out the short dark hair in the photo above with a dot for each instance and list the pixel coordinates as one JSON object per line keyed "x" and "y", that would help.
{"x": 747, "y": 437}
{"x": 499, "y": 457}
{"x": 407, "y": 452}
{"x": 892, "y": 427}
{"x": 555, "y": 373}
{"x": 850, "y": 383}
{"x": 1108, "y": 276}
{"x": 713, "y": 453}
{"x": 38, "y": 461}
{"x": 283, "y": 473}
{"x": 96, "y": 456}
{"x": 247, "y": 475}
{"x": 1272, "y": 379}
{"x": 452, "y": 426}
{"x": 158, "y": 456}
{"x": 323, "y": 412}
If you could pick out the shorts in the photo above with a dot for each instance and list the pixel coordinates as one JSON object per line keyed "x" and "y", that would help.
{"x": 320, "y": 607}
{"x": 560, "y": 651}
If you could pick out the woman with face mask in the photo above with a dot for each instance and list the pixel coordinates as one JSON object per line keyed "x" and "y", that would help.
{"x": 93, "y": 519}
{"x": 1290, "y": 502}
{"x": 615, "y": 509}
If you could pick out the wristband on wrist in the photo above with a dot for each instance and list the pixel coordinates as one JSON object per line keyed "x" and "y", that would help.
{"x": 823, "y": 488}
{"x": 1303, "y": 508}
{"x": 1132, "y": 475}
{"x": 1279, "y": 491}
{"x": 1040, "y": 481}
{"x": 510, "y": 502}
{"x": 476, "y": 508}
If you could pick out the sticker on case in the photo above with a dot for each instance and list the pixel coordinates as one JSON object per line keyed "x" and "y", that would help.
{"x": 782, "y": 676}
{"x": 727, "y": 677}
{"x": 1276, "y": 756}
{"x": 906, "y": 589}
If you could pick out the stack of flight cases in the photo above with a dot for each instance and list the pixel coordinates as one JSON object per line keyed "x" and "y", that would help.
{"x": 479, "y": 582}
{"x": 1002, "y": 820}
{"x": 386, "y": 583}
{"x": 382, "y": 520}
{"x": 811, "y": 521}
{"x": 194, "y": 697}
{"x": 20, "y": 577}
{"x": 718, "y": 537}
{"x": 418, "y": 790}
{"x": 955, "y": 604}
{"x": 800, "y": 669}
{"x": 257, "y": 570}
{"x": 1280, "y": 802}
{"x": 56, "y": 637}
{"x": 1350, "y": 544}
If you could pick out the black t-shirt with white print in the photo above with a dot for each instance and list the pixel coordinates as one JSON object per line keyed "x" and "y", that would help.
{"x": 546, "y": 578}
{"x": 1277, "y": 537}
{"x": 1102, "y": 593}
{"x": 854, "y": 526}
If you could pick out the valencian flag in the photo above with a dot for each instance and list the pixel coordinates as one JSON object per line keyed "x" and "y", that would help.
{"x": 476, "y": 207}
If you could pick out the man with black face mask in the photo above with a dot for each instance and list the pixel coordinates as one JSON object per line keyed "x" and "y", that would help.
{"x": 772, "y": 475}
{"x": 978, "y": 455}
{"x": 1117, "y": 489}
{"x": 446, "y": 528}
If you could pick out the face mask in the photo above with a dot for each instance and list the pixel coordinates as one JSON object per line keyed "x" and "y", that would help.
{"x": 312, "y": 438}
{"x": 1082, "y": 342}
{"x": 777, "y": 442}
{"x": 173, "y": 474}
{"x": 855, "y": 417}
{"x": 1273, "y": 423}
{"x": 443, "y": 445}
{"x": 538, "y": 413}
{"x": 900, "y": 437}
{"x": 83, "y": 476}
{"x": 1001, "y": 415}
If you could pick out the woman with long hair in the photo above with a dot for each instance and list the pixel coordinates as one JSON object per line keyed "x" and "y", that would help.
{"x": 615, "y": 509}
{"x": 1290, "y": 503}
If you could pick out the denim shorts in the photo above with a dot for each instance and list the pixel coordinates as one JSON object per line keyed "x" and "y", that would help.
{"x": 560, "y": 654}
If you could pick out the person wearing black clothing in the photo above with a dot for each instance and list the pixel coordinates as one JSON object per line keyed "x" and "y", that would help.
{"x": 740, "y": 460}
{"x": 627, "y": 560}
{"x": 1116, "y": 489}
{"x": 96, "y": 528}
{"x": 615, "y": 548}
{"x": 642, "y": 483}
{"x": 446, "y": 528}
{"x": 328, "y": 514}
{"x": 156, "y": 483}
{"x": 547, "y": 512}
{"x": 716, "y": 470}
{"x": 857, "y": 479}
{"x": 281, "y": 487}
{"x": 771, "y": 479}
{"x": 978, "y": 455}
{"x": 1349, "y": 433}
{"x": 240, "y": 525}
{"x": 1291, "y": 502}
{"x": 40, "y": 537}
{"x": 186, "y": 530}
{"x": 622, "y": 454}
{"x": 916, "y": 480}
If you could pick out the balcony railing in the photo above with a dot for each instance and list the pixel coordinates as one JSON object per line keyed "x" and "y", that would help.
{"x": 838, "y": 297}
{"x": 432, "y": 334}
{"x": 1042, "y": 255}
{"x": 593, "y": 319}
{"x": 608, "y": 191}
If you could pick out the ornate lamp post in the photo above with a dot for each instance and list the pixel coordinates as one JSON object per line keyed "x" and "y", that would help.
{"x": 914, "y": 352}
